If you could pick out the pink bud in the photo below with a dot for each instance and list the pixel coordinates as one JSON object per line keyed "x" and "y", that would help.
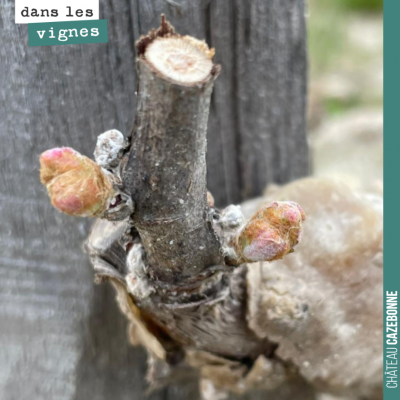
{"x": 76, "y": 185}
{"x": 271, "y": 233}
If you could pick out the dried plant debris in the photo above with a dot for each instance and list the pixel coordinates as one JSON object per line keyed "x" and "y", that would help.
{"x": 323, "y": 304}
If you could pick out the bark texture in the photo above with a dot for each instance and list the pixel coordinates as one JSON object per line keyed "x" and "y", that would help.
{"x": 54, "y": 322}
{"x": 166, "y": 175}
{"x": 323, "y": 304}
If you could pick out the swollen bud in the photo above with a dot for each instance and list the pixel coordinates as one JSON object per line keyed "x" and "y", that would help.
{"x": 271, "y": 233}
{"x": 76, "y": 185}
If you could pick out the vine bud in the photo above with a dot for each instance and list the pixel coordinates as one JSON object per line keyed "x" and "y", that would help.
{"x": 271, "y": 233}
{"x": 109, "y": 148}
{"x": 76, "y": 185}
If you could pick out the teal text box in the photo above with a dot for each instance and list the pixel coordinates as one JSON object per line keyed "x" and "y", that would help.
{"x": 391, "y": 332}
{"x": 68, "y": 32}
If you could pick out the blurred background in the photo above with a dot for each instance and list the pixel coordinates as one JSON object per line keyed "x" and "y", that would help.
{"x": 345, "y": 107}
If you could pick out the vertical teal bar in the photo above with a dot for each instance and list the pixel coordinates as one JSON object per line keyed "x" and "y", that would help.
{"x": 391, "y": 30}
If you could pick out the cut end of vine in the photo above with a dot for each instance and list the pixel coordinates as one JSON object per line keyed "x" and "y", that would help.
{"x": 165, "y": 29}
{"x": 181, "y": 59}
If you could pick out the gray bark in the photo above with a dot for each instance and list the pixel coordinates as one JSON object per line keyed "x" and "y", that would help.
{"x": 63, "y": 338}
{"x": 170, "y": 194}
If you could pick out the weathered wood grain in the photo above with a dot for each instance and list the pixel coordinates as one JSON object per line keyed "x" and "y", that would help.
{"x": 61, "y": 337}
